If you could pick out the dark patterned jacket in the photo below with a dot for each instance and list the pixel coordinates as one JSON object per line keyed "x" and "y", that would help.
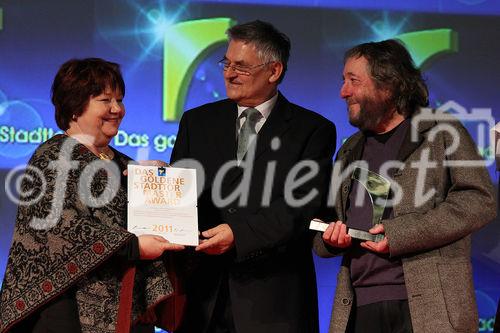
{"x": 70, "y": 223}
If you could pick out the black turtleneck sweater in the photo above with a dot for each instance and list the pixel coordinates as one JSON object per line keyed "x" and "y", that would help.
{"x": 375, "y": 277}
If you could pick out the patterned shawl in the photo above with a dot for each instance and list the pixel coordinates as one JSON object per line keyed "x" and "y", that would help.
{"x": 69, "y": 242}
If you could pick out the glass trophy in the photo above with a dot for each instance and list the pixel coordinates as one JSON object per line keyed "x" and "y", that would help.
{"x": 378, "y": 189}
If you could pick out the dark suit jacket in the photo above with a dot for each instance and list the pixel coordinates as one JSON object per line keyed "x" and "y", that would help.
{"x": 432, "y": 236}
{"x": 269, "y": 272}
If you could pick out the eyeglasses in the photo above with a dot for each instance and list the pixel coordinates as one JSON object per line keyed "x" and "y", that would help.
{"x": 240, "y": 69}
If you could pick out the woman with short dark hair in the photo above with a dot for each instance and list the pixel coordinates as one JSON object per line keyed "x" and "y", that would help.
{"x": 73, "y": 266}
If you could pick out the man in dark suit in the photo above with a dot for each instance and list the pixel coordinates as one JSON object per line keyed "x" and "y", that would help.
{"x": 253, "y": 270}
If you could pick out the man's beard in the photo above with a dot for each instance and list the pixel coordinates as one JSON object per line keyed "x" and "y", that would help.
{"x": 370, "y": 115}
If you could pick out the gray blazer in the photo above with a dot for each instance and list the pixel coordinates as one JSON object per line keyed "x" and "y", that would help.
{"x": 432, "y": 237}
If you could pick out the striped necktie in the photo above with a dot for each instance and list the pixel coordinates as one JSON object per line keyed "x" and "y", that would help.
{"x": 247, "y": 131}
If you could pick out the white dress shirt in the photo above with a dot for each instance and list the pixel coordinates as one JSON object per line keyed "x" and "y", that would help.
{"x": 264, "y": 109}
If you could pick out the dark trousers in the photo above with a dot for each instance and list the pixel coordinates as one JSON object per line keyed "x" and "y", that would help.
{"x": 381, "y": 317}
{"x": 222, "y": 318}
{"x": 61, "y": 315}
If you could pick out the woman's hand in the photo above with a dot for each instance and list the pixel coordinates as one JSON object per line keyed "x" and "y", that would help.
{"x": 151, "y": 246}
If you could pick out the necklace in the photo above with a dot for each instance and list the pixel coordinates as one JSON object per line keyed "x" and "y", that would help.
{"x": 103, "y": 156}
{"x": 100, "y": 153}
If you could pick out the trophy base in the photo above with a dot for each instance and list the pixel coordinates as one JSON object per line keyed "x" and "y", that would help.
{"x": 364, "y": 235}
{"x": 318, "y": 225}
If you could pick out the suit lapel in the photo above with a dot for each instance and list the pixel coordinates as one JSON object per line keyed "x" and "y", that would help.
{"x": 348, "y": 156}
{"x": 224, "y": 132}
{"x": 355, "y": 151}
{"x": 277, "y": 123}
{"x": 410, "y": 144}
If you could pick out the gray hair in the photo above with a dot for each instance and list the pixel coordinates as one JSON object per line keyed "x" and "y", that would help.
{"x": 271, "y": 44}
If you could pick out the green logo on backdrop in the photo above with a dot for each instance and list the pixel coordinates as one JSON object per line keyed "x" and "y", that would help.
{"x": 427, "y": 45}
{"x": 186, "y": 45}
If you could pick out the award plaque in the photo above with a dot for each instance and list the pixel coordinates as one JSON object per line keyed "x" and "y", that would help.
{"x": 163, "y": 201}
{"x": 378, "y": 189}
{"x": 318, "y": 225}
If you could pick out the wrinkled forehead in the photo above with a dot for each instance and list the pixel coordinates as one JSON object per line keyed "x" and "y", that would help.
{"x": 356, "y": 65}
{"x": 242, "y": 50}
